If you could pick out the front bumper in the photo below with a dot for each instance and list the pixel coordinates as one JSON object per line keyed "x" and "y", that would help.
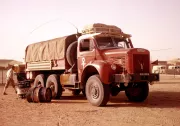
{"x": 140, "y": 77}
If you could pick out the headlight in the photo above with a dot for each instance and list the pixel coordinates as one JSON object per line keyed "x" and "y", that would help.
{"x": 113, "y": 66}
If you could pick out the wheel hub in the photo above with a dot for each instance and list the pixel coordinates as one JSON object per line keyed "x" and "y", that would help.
{"x": 94, "y": 92}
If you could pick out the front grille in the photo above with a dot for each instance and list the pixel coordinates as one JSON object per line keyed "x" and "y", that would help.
{"x": 141, "y": 63}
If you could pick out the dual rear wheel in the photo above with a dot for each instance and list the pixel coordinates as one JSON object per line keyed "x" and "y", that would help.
{"x": 52, "y": 82}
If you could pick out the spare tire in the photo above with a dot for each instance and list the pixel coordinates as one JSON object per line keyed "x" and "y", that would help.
{"x": 71, "y": 54}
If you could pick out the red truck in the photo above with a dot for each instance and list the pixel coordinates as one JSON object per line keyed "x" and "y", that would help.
{"x": 101, "y": 61}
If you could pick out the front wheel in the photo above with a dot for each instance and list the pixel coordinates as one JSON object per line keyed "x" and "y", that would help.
{"x": 137, "y": 92}
{"x": 97, "y": 93}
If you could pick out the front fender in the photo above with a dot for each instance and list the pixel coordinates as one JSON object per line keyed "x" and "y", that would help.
{"x": 104, "y": 69}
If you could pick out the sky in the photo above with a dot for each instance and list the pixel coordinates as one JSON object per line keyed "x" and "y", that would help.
{"x": 153, "y": 24}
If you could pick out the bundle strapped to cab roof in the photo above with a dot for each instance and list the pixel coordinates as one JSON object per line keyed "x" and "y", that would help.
{"x": 105, "y": 30}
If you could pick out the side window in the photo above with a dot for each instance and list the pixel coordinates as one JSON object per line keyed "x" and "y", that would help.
{"x": 86, "y": 45}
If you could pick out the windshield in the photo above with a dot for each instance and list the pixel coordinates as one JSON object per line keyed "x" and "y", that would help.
{"x": 111, "y": 42}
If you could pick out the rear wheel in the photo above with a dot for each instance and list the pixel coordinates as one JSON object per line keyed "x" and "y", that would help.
{"x": 137, "y": 92}
{"x": 55, "y": 86}
{"x": 97, "y": 93}
{"x": 39, "y": 81}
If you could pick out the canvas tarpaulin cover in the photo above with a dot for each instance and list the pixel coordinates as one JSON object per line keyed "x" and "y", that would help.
{"x": 48, "y": 50}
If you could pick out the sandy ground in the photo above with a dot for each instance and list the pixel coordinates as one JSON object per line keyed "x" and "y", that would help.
{"x": 162, "y": 107}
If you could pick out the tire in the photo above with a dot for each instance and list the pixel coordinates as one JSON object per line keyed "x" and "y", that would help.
{"x": 39, "y": 81}
{"x": 71, "y": 53}
{"x": 137, "y": 92}
{"x": 56, "y": 88}
{"x": 76, "y": 92}
{"x": 29, "y": 95}
{"x": 45, "y": 94}
{"x": 35, "y": 94}
{"x": 97, "y": 93}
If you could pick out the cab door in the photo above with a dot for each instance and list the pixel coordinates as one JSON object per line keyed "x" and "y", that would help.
{"x": 86, "y": 54}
